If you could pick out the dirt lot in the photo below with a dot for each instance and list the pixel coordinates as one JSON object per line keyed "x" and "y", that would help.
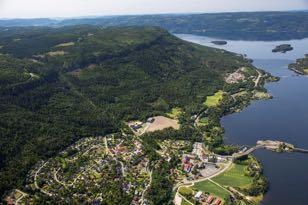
{"x": 161, "y": 123}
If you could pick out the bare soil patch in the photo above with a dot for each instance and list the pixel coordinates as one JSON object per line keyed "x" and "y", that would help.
{"x": 161, "y": 123}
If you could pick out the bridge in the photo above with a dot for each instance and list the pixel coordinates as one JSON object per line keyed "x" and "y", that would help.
{"x": 247, "y": 152}
{"x": 300, "y": 150}
{"x": 276, "y": 146}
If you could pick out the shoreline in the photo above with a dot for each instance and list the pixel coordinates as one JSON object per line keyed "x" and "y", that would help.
{"x": 236, "y": 104}
{"x": 297, "y": 71}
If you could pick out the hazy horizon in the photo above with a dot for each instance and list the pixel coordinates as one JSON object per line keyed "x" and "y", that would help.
{"x": 92, "y": 8}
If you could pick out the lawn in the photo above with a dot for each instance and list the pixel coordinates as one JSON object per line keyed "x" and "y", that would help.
{"x": 234, "y": 177}
{"x": 203, "y": 121}
{"x": 185, "y": 191}
{"x": 210, "y": 187}
{"x": 185, "y": 202}
{"x": 214, "y": 100}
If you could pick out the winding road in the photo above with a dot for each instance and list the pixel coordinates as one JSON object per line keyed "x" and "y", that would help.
{"x": 258, "y": 78}
{"x": 35, "y": 181}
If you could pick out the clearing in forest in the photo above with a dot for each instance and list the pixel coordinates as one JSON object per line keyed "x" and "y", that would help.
{"x": 214, "y": 100}
{"x": 161, "y": 122}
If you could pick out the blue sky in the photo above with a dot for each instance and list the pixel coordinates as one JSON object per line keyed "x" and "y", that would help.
{"x": 72, "y": 8}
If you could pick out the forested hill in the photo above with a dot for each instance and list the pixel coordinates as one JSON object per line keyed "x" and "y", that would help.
{"x": 61, "y": 84}
{"x": 241, "y": 25}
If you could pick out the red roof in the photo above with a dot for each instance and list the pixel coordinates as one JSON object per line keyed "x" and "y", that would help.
{"x": 187, "y": 166}
{"x": 217, "y": 201}
{"x": 209, "y": 199}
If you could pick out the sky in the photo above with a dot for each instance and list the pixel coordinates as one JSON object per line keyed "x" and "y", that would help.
{"x": 75, "y": 8}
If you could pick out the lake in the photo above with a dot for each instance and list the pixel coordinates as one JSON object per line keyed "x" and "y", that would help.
{"x": 284, "y": 118}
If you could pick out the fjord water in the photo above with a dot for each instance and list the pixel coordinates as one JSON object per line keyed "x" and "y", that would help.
{"x": 285, "y": 118}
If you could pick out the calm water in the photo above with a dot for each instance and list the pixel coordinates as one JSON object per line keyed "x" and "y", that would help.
{"x": 283, "y": 118}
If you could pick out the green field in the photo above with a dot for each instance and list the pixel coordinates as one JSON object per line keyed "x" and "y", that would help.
{"x": 175, "y": 113}
{"x": 210, "y": 187}
{"x": 214, "y": 100}
{"x": 203, "y": 121}
{"x": 185, "y": 202}
{"x": 234, "y": 177}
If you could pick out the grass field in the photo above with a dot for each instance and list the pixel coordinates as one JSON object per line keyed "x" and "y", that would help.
{"x": 234, "y": 177}
{"x": 186, "y": 191}
{"x": 65, "y": 44}
{"x": 214, "y": 100}
{"x": 185, "y": 202}
{"x": 203, "y": 121}
{"x": 207, "y": 186}
{"x": 175, "y": 113}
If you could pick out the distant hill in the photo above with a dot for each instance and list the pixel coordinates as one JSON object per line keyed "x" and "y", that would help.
{"x": 242, "y": 25}
{"x": 58, "y": 85}
{"x": 27, "y": 22}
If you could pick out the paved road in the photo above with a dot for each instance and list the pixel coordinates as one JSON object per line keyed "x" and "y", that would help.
{"x": 23, "y": 194}
{"x": 146, "y": 188}
{"x": 35, "y": 181}
{"x": 247, "y": 152}
{"x": 228, "y": 165}
{"x": 192, "y": 183}
{"x": 258, "y": 78}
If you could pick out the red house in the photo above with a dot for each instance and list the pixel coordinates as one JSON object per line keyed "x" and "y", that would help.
{"x": 209, "y": 199}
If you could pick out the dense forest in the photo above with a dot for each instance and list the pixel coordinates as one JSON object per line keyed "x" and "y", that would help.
{"x": 58, "y": 85}
{"x": 241, "y": 25}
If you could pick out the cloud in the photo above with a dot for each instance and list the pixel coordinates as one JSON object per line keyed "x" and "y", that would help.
{"x": 68, "y": 8}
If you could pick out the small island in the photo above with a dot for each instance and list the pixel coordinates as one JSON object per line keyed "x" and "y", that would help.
{"x": 283, "y": 48}
{"x": 300, "y": 66}
{"x": 219, "y": 42}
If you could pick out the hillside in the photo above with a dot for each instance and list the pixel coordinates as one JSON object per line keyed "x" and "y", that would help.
{"x": 241, "y": 25}
{"x": 62, "y": 84}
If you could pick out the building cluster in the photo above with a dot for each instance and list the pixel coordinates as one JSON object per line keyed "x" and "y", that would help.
{"x": 136, "y": 173}
{"x": 87, "y": 163}
{"x": 207, "y": 199}
{"x": 200, "y": 163}
{"x": 136, "y": 126}
{"x": 235, "y": 77}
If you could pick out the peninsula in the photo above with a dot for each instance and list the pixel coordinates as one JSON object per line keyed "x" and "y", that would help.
{"x": 300, "y": 66}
